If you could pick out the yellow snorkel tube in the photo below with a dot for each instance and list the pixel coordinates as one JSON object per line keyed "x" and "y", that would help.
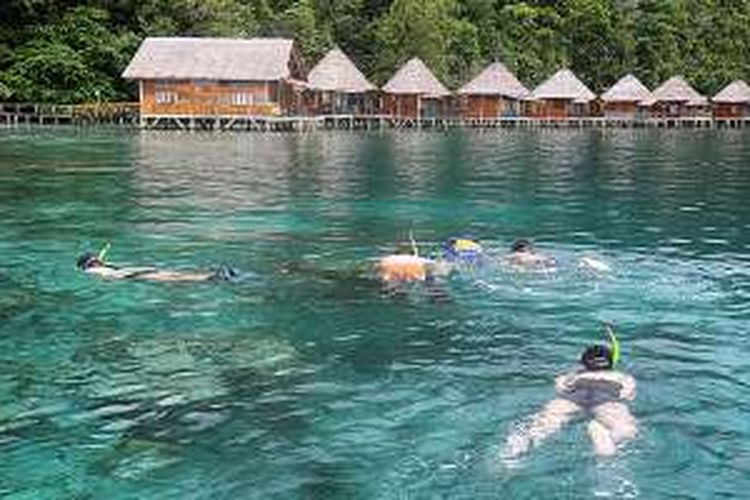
{"x": 614, "y": 343}
{"x": 103, "y": 252}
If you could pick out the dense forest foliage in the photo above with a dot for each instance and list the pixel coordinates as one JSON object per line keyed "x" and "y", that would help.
{"x": 68, "y": 51}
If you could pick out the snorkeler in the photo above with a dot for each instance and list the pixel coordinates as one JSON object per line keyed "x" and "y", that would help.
{"x": 597, "y": 391}
{"x": 91, "y": 263}
{"x": 406, "y": 266}
{"x": 524, "y": 255}
{"x": 462, "y": 251}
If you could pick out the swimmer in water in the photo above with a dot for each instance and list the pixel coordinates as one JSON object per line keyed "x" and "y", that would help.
{"x": 524, "y": 255}
{"x": 96, "y": 264}
{"x": 406, "y": 266}
{"x": 597, "y": 392}
{"x": 462, "y": 251}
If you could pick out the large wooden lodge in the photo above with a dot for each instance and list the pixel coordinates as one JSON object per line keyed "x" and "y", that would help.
{"x": 185, "y": 79}
{"x": 216, "y": 82}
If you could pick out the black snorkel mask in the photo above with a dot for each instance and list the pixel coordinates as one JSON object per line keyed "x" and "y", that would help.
{"x": 90, "y": 259}
{"x": 522, "y": 246}
{"x": 601, "y": 357}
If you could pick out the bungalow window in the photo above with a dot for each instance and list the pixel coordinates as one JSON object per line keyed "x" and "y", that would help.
{"x": 165, "y": 97}
{"x": 242, "y": 98}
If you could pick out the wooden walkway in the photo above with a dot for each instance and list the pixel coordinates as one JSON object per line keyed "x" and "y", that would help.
{"x": 382, "y": 122}
{"x": 120, "y": 113}
{"x": 13, "y": 114}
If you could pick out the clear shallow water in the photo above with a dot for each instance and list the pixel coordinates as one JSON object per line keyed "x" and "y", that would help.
{"x": 302, "y": 381}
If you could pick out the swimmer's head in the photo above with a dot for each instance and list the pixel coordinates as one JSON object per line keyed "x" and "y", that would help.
{"x": 522, "y": 246}
{"x": 87, "y": 261}
{"x": 597, "y": 357}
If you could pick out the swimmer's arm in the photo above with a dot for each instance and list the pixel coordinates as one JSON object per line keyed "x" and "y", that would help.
{"x": 627, "y": 392}
{"x": 112, "y": 273}
{"x": 563, "y": 383}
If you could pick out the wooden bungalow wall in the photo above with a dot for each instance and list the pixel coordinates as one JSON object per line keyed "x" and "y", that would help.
{"x": 194, "y": 98}
{"x": 409, "y": 105}
{"x": 623, "y": 110}
{"x": 328, "y": 102}
{"x": 725, "y": 110}
{"x": 559, "y": 109}
{"x": 484, "y": 106}
{"x": 671, "y": 109}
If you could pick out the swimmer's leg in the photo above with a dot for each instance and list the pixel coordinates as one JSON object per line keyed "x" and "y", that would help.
{"x": 224, "y": 273}
{"x": 555, "y": 414}
{"x": 616, "y": 417}
{"x": 436, "y": 293}
{"x": 601, "y": 438}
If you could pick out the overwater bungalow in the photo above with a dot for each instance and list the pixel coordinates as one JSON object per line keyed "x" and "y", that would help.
{"x": 675, "y": 98}
{"x": 562, "y": 95}
{"x": 211, "y": 77}
{"x": 733, "y": 101}
{"x": 414, "y": 92}
{"x": 626, "y": 99}
{"x": 338, "y": 87}
{"x": 493, "y": 93}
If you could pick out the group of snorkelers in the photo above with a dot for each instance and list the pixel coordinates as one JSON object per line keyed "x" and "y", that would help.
{"x": 406, "y": 265}
{"x": 597, "y": 390}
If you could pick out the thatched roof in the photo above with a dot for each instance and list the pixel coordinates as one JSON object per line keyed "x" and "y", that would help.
{"x": 676, "y": 89}
{"x": 415, "y": 78}
{"x": 737, "y": 92}
{"x": 336, "y": 72}
{"x": 627, "y": 89}
{"x": 260, "y": 59}
{"x": 495, "y": 79}
{"x": 563, "y": 85}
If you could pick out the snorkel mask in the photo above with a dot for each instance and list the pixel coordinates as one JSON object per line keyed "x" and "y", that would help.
{"x": 602, "y": 357}
{"x": 89, "y": 259}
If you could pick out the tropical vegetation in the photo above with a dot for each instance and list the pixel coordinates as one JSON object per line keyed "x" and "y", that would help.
{"x": 67, "y": 51}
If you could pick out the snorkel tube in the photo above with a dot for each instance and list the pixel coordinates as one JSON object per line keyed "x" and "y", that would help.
{"x": 414, "y": 247}
{"x": 103, "y": 252}
{"x": 615, "y": 344}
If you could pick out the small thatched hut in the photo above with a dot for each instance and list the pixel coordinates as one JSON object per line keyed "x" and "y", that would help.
{"x": 676, "y": 98}
{"x": 626, "y": 99}
{"x": 338, "y": 87}
{"x": 415, "y": 92}
{"x": 733, "y": 101}
{"x": 562, "y": 95}
{"x": 493, "y": 93}
{"x": 216, "y": 76}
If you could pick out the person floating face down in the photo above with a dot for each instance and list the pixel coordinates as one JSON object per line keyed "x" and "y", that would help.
{"x": 406, "y": 266}
{"x": 596, "y": 392}
{"x": 96, "y": 264}
{"x": 524, "y": 255}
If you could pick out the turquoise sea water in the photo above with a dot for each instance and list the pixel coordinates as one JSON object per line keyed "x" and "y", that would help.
{"x": 302, "y": 380}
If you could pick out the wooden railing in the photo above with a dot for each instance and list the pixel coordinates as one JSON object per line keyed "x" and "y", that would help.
{"x": 106, "y": 111}
{"x": 34, "y": 109}
{"x": 101, "y": 112}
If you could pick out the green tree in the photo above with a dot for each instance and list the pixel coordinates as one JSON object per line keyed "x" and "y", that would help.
{"x": 430, "y": 30}
{"x": 529, "y": 40}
